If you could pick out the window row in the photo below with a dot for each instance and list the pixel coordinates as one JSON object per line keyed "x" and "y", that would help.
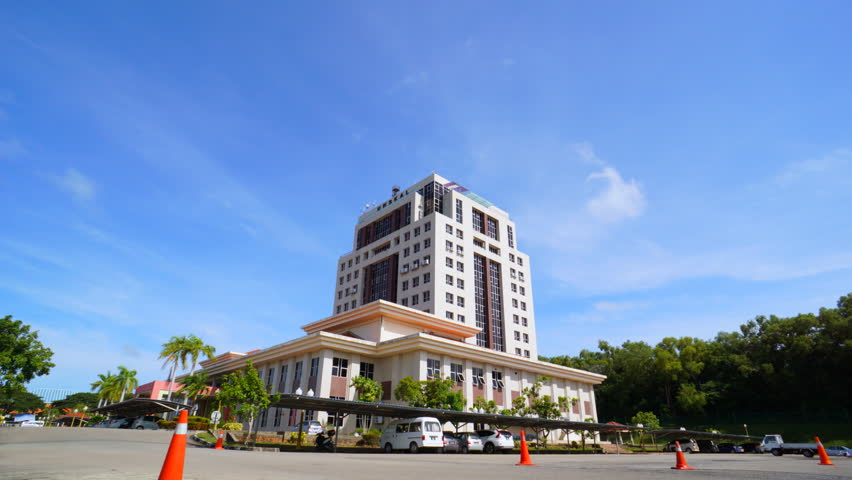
{"x": 346, "y": 306}
{"x": 416, "y": 247}
{"x": 526, "y": 337}
{"x": 451, "y": 316}
{"x": 349, "y": 277}
{"x": 415, "y": 299}
{"x": 415, "y": 282}
{"x": 515, "y": 304}
{"x": 520, "y": 320}
{"x": 459, "y": 300}
{"x": 459, "y": 265}
{"x": 416, "y": 264}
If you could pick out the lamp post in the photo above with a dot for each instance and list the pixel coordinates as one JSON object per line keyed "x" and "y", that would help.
{"x": 301, "y": 421}
{"x": 74, "y": 417}
{"x": 746, "y": 428}
{"x": 85, "y": 409}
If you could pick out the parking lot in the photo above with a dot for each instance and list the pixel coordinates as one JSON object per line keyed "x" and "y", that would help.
{"x": 89, "y": 454}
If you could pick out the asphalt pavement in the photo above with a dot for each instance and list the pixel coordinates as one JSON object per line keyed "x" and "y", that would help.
{"x": 96, "y": 454}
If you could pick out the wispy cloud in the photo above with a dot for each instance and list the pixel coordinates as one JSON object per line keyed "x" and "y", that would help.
{"x": 817, "y": 166}
{"x": 619, "y": 200}
{"x": 11, "y": 148}
{"x": 79, "y": 186}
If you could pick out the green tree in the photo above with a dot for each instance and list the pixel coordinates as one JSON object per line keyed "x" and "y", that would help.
{"x": 194, "y": 386}
{"x": 648, "y": 420}
{"x": 79, "y": 399}
{"x": 433, "y": 393}
{"x": 542, "y": 406}
{"x": 245, "y": 392}
{"x": 22, "y": 355}
{"x": 194, "y": 348}
{"x": 367, "y": 389}
{"x": 20, "y": 400}
{"x": 175, "y": 352}
{"x": 126, "y": 381}
{"x": 106, "y": 387}
{"x": 410, "y": 391}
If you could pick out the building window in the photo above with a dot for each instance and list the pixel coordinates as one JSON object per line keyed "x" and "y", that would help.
{"x": 415, "y": 299}
{"x": 404, "y": 285}
{"x": 513, "y": 273}
{"x": 527, "y": 353}
{"x": 517, "y": 351}
{"x": 333, "y": 418}
{"x": 521, "y": 276}
{"x": 517, "y": 335}
{"x": 493, "y": 249}
{"x": 523, "y": 291}
{"x": 459, "y": 210}
{"x": 427, "y": 242}
{"x": 405, "y": 302}
{"x": 270, "y": 377}
{"x": 459, "y": 266}
{"x": 449, "y": 229}
{"x": 520, "y": 261}
{"x": 526, "y": 338}
{"x": 512, "y": 257}
{"x": 449, "y": 279}
{"x": 427, "y": 295}
{"x": 406, "y": 252}
{"x": 282, "y": 382}
{"x": 343, "y": 266}
{"x": 427, "y": 226}
{"x": 460, "y": 301}
{"x": 511, "y": 236}
{"x": 515, "y": 302}
{"x": 459, "y": 250}
{"x": 524, "y": 306}
{"x": 427, "y": 277}
{"x": 478, "y": 243}
{"x": 395, "y": 242}
{"x": 478, "y": 376}
{"x": 406, "y": 236}
{"x": 350, "y": 263}
{"x": 339, "y": 294}
{"x": 493, "y": 232}
{"x": 524, "y": 321}
{"x": 415, "y": 282}
{"x": 357, "y": 260}
{"x": 339, "y": 367}
{"x": 314, "y": 366}
{"x": 346, "y": 307}
{"x": 338, "y": 309}
{"x": 457, "y": 372}
{"x": 478, "y": 221}
{"x": 449, "y": 298}
{"x": 417, "y": 232}
{"x": 460, "y": 318}
{"x": 416, "y": 247}
{"x": 366, "y": 370}
{"x": 449, "y": 315}
{"x": 460, "y": 283}
{"x": 433, "y": 368}
{"x": 353, "y": 304}
{"x": 297, "y": 375}
{"x": 348, "y": 277}
{"x": 449, "y": 262}
{"x": 497, "y": 380}
{"x": 340, "y": 281}
{"x": 515, "y": 319}
{"x": 449, "y": 245}
{"x": 460, "y": 234}
{"x": 514, "y": 287}
{"x": 355, "y": 276}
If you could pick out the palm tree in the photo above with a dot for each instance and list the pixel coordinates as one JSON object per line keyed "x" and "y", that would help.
{"x": 174, "y": 352}
{"x": 195, "y": 348}
{"x": 126, "y": 380}
{"x": 194, "y": 385}
{"x": 108, "y": 388}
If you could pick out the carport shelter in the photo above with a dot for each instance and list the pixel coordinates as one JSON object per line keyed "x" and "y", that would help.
{"x": 136, "y": 407}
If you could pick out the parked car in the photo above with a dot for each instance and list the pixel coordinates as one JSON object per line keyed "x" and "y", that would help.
{"x": 469, "y": 442}
{"x": 451, "y": 442}
{"x": 838, "y": 451}
{"x": 145, "y": 422}
{"x": 32, "y": 423}
{"x": 687, "y": 445}
{"x": 751, "y": 447}
{"x": 730, "y": 448}
{"x": 413, "y": 434}
{"x": 494, "y": 440}
{"x": 707, "y": 446}
{"x": 311, "y": 427}
{"x": 117, "y": 422}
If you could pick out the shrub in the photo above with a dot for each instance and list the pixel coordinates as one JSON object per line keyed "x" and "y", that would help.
{"x": 294, "y": 437}
{"x": 166, "y": 424}
{"x": 370, "y": 437}
{"x": 198, "y": 425}
{"x": 199, "y": 420}
{"x": 232, "y": 426}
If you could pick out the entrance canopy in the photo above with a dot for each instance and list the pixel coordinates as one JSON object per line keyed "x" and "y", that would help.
{"x": 135, "y": 407}
{"x": 304, "y": 402}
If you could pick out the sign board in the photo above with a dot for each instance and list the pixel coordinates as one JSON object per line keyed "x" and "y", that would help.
{"x": 216, "y": 416}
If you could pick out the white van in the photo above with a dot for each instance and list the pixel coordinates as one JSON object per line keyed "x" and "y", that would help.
{"x": 413, "y": 434}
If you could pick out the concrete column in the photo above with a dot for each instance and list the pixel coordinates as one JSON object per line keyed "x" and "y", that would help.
{"x": 421, "y": 372}
{"x": 489, "y": 392}
{"x": 324, "y": 374}
{"x": 468, "y": 383}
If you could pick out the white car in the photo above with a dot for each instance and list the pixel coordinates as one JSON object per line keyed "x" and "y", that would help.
{"x": 311, "y": 427}
{"x": 32, "y": 423}
{"x": 494, "y": 440}
{"x": 413, "y": 434}
{"x": 469, "y": 442}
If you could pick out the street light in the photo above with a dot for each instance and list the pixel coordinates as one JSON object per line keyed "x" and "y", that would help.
{"x": 85, "y": 409}
{"x": 746, "y": 428}
{"x": 74, "y": 417}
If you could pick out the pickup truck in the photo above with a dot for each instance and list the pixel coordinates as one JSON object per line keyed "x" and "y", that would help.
{"x": 775, "y": 445}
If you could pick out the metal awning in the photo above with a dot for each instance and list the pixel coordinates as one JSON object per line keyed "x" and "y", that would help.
{"x": 677, "y": 433}
{"x": 140, "y": 406}
{"x": 304, "y": 402}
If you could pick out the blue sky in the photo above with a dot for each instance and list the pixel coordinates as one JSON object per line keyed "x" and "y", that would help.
{"x": 674, "y": 168}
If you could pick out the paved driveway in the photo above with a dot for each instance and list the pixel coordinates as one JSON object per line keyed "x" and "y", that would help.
{"x": 95, "y": 454}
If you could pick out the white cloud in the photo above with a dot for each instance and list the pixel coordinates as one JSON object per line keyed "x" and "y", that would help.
{"x": 78, "y": 185}
{"x": 586, "y": 152}
{"x": 620, "y": 199}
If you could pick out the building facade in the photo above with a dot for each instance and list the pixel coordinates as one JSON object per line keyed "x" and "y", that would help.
{"x": 435, "y": 286}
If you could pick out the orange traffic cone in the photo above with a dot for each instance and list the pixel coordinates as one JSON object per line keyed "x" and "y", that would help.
{"x": 525, "y": 453}
{"x": 173, "y": 465}
{"x": 681, "y": 460}
{"x": 219, "y": 441}
{"x": 823, "y": 457}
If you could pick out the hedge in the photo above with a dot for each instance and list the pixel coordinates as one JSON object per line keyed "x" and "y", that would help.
{"x": 170, "y": 425}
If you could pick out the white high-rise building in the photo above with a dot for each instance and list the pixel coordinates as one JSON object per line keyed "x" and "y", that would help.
{"x": 439, "y": 248}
